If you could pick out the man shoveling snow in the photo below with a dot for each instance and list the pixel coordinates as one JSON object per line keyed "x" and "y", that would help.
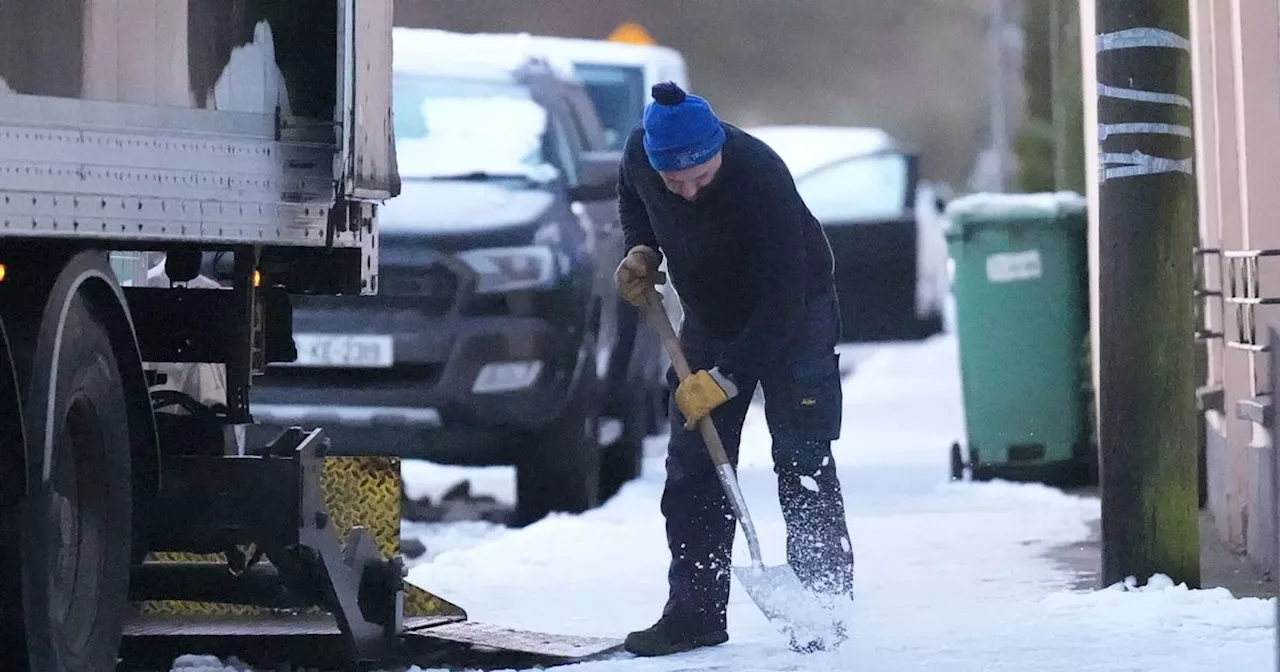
{"x": 754, "y": 272}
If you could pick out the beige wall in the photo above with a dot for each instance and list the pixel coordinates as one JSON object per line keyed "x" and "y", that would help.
{"x": 1236, "y": 80}
{"x": 1238, "y": 110}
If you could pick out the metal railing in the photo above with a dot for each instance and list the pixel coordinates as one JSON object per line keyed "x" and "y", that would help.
{"x": 1244, "y": 296}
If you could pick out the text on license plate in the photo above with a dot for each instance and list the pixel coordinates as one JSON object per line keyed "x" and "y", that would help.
{"x": 352, "y": 350}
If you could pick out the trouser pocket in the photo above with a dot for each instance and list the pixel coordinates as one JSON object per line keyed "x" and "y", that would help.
{"x": 813, "y": 400}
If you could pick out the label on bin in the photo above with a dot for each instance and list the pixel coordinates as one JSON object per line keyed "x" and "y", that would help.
{"x": 1013, "y": 266}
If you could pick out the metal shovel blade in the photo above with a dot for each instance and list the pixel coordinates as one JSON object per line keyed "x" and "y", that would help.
{"x": 797, "y": 611}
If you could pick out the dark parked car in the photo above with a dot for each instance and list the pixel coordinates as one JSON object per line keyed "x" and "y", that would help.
{"x": 885, "y": 224}
{"x": 496, "y": 335}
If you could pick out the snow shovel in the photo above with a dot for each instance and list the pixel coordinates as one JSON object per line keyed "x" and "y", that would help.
{"x": 777, "y": 591}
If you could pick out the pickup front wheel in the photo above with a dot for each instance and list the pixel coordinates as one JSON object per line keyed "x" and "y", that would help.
{"x": 558, "y": 468}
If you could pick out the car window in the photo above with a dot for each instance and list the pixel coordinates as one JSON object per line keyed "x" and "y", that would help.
{"x": 618, "y": 94}
{"x": 453, "y": 127}
{"x": 868, "y": 187}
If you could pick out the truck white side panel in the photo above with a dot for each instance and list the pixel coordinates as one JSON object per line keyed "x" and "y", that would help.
{"x": 116, "y": 171}
{"x": 149, "y": 122}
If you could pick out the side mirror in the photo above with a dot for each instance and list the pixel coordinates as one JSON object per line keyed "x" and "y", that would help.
{"x": 599, "y": 177}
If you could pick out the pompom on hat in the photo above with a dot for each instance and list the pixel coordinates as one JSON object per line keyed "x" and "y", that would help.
{"x": 680, "y": 130}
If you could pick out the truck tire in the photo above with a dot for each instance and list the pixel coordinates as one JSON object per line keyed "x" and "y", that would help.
{"x": 558, "y": 468}
{"x": 926, "y": 327}
{"x": 76, "y": 526}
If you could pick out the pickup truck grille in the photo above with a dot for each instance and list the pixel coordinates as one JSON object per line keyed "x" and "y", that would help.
{"x": 435, "y": 284}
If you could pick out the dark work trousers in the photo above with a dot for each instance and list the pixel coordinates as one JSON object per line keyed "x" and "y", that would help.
{"x": 802, "y": 400}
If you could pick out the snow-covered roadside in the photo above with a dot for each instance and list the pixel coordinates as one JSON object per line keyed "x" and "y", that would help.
{"x": 432, "y": 481}
{"x": 949, "y": 576}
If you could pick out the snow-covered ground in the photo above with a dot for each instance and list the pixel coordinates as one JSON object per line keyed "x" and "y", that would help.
{"x": 949, "y": 576}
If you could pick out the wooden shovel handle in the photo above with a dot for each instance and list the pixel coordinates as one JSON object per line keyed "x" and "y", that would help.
{"x": 657, "y": 318}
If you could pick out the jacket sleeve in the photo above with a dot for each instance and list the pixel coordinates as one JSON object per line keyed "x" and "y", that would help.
{"x": 777, "y": 252}
{"x": 632, "y": 214}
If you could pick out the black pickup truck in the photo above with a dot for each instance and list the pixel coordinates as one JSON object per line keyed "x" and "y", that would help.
{"x": 496, "y": 336}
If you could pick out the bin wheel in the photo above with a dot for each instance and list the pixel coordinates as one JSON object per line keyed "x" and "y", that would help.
{"x": 957, "y": 462}
{"x": 976, "y": 472}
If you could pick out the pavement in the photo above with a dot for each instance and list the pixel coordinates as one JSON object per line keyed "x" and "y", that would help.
{"x": 1219, "y": 567}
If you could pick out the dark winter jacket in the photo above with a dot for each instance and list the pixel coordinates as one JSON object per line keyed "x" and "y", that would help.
{"x": 744, "y": 257}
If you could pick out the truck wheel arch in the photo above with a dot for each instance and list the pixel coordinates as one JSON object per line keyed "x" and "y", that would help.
{"x": 146, "y": 451}
{"x": 13, "y": 441}
{"x": 88, "y": 273}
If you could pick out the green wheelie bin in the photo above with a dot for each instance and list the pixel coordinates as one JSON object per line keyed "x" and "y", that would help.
{"x": 1021, "y": 285}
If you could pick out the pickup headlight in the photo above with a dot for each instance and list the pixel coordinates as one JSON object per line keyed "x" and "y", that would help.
{"x": 507, "y": 269}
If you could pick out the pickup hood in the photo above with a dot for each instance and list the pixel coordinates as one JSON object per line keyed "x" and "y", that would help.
{"x": 456, "y": 215}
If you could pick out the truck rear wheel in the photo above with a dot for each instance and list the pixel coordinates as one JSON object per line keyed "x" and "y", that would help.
{"x": 622, "y": 460}
{"x": 76, "y": 528}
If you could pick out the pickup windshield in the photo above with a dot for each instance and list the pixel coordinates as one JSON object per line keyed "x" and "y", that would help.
{"x": 458, "y": 128}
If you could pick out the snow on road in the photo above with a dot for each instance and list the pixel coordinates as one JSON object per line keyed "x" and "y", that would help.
{"x": 952, "y": 577}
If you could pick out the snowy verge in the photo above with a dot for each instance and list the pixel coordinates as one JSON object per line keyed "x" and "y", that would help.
{"x": 949, "y": 576}
{"x": 424, "y": 479}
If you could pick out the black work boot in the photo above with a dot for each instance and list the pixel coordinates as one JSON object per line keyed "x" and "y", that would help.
{"x": 674, "y": 635}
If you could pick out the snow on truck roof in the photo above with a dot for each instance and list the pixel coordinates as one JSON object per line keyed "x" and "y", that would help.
{"x": 807, "y": 148}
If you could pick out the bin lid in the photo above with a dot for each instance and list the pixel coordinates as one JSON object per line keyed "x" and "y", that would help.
{"x": 1000, "y": 209}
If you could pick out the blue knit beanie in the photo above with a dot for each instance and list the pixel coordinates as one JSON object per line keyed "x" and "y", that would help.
{"x": 680, "y": 130}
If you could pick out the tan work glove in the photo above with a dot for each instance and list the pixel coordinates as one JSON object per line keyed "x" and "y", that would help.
{"x": 701, "y": 393}
{"x": 638, "y": 274}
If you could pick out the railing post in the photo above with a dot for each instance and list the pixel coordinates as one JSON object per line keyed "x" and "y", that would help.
{"x": 1273, "y": 333}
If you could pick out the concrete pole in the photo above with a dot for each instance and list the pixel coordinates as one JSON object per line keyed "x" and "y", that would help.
{"x": 999, "y": 111}
{"x": 1060, "y": 134}
{"x": 1146, "y": 233}
{"x": 1070, "y": 139}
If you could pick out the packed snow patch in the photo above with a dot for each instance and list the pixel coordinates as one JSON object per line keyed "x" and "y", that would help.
{"x": 195, "y": 663}
{"x": 440, "y": 538}
{"x": 427, "y": 480}
{"x": 1175, "y": 604}
{"x": 950, "y": 576}
{"x": 954, "y": 577}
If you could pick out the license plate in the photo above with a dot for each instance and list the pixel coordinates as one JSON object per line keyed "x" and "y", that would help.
{"x": 355, "y": 350}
